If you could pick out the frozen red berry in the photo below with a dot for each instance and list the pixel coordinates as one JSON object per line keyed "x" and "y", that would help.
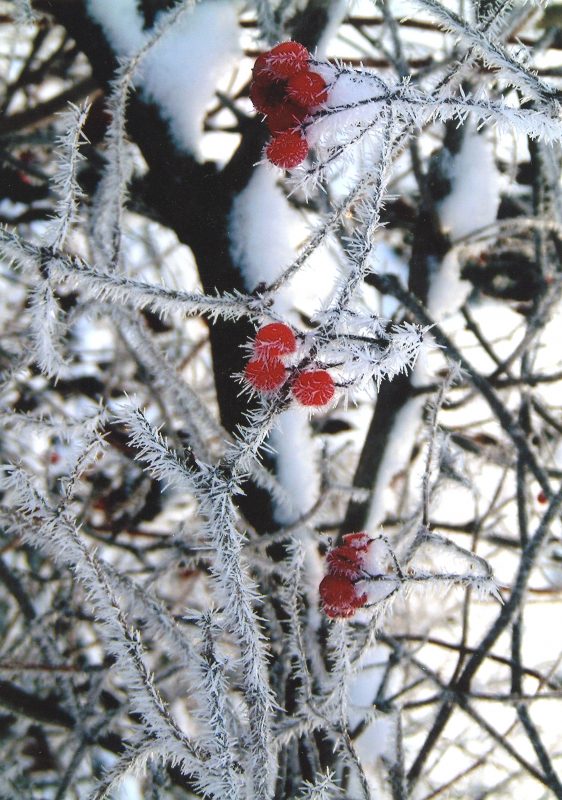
{"x": 360, "y": 541}
{"x": 274, "y": 340}
{"x": 307, "y": 89}
{"x": 344, "y": 561}
{"x": 287, "y": 58}
{"x": 287, "y": 150}
{"x": 260, "y": 70}
{"x": 268, "y": 97}
{"x": 313, "y": 388}
{"x": 339, "y": 596}
{"x": 266, "y": 375}
{"x": 542, "y": 498}
{"x": 285, "y": 116}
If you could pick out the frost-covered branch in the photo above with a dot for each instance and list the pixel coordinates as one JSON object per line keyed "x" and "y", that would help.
{"x": 215, "y": 489}
{"x": 242, "y": 590}
{"x": 53, "y": 530}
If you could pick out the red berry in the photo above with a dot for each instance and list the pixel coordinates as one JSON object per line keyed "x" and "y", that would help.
{"x": 287, "y": 150}
{"x": 359, "y": 541}
{"x": 542, "y": 498}
{"x": 285, "y": 117}
{"x": 267, "y": 97}
{"x": 260, "y": 70}
{"x": 339, "y": 596}
{"x": 314, "y": 388}
{"x": 275, "y": 339}
{"x": 308, "y": 89}
{"x": 287, "y": 58}
{"x": 266, "y": 375}
{"x": 345, "y": 562}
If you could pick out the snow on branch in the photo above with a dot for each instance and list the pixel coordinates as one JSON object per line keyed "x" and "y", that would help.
{"x": 67, "y": 429}
{"x": 360, "y": 246}
{"x": 327, "y": 226}
{"x": 176, "y": 65}
{"x": 111, "y": 195}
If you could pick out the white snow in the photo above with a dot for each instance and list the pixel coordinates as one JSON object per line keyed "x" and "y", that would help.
{"x": 474, "y": 198}
{"x": 471, "y": 204}
{"x": 181, "y": 72}
{"x": 121, "y": 23}
{"x": 396, "y": 455}
{"x": 376, "y": 560}
{"x": 378, "y": 739}
{"x": 297, "y": 463}
{"x": 260, "y": 225}
{"x": 336, "y": 12}
{"x": 447, "y": 290}
{"x": 265, "y": 234}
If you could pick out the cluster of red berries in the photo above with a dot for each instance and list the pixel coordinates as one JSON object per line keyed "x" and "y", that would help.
{"x": 286, "y": 91}
{"x": 338, "y": 590}
{"x": 267, "y": 373}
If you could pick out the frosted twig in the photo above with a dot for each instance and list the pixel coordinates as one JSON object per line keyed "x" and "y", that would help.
{"x": 54, "y": 531}
{"x": 65, "y": 181}
{"x": 214, "y": 489}
{"x": 493, "y": 53}
{"x": 124, "y": 290}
